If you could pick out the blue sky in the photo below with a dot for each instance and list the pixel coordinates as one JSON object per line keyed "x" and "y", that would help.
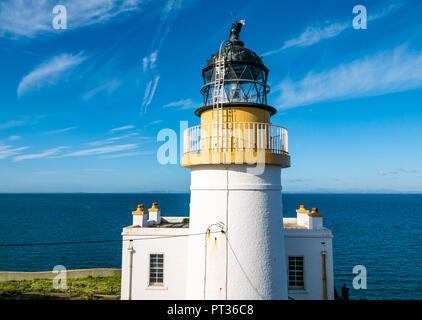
{"x": 80, "y": 108}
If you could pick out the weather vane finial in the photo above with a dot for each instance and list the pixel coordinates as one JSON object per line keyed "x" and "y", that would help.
{"x": 235, "y": 30}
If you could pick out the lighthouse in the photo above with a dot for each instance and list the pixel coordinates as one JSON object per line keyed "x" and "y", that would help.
{"x": 235, "y": 157}
{"x": 234, "y": 244}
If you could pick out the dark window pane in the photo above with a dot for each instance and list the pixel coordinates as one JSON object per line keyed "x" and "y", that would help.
{"x": 156, "y": 272}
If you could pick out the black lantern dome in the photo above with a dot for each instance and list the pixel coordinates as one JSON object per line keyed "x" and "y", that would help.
{"x": 245, "y": 75}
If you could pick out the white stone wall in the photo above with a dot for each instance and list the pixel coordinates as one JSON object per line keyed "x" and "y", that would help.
{"x": 308, "y": 243}
{"x": 175, "y": 264}
{"x": 299, "y": 242}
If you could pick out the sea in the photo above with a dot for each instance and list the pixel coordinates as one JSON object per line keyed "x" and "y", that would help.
{"x": 382, "y": 232}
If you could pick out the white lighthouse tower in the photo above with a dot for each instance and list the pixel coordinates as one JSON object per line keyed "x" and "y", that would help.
{"x": 235, "y": 156}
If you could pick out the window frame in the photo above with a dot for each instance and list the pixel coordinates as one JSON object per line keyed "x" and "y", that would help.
{"x": 298, "y": 288}
{"x": 155, "y": 284}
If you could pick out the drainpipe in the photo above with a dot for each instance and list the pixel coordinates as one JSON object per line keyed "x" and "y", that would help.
{"x": 130, "y": 249}
{"x": 324, "y": 275}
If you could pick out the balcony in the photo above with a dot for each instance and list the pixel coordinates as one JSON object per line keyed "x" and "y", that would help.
{"x": 236, "y": 143}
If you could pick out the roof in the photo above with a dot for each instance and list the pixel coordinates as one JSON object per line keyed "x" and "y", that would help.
{"x": 167, "y": 222}
{"x": 235, "y": 52}
{"x": 183, "y": 222}
{"x": 173, "y": 223}
{"x": 288, "y": 225}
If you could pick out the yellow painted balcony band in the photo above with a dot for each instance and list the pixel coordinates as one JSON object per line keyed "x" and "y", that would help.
{"x": 236, "y": 143}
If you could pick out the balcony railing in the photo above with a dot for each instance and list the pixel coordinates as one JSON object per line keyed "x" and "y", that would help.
{"x": 235, "y": 137}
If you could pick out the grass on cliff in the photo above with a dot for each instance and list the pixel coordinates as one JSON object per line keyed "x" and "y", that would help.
{"x": 103, "y": 288}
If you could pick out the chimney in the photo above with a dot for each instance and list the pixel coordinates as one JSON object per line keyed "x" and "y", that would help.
{"x": 140, "y": 216}
{"x": 315, "y": 219}
{"x": 302, "y": 216}
{"x": 154, "y": 214}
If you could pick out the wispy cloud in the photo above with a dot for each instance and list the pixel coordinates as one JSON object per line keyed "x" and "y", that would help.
{"x": 315, "y": 34}
{"x": 112, "y": 140}
{"x": 108, "y": 87}
{"x": 9, "y": 151}
{"x": 49, "y": 72}
{"x": 97, "y": 170}
{"x": 45, "y": 173}
{"x": 62, "y": 130}
{"x": 127, "y": 154}
{"x": 156, "y": 122}
{"x": 399, "y": 171}
{"x": 14, "y": 123}
{"x": 298, "y": 180}
{"x": 122, "y": 128}
{"x": 168, "y": 15}
{"x": 149, "y": 93}
{"x": 31, "y": 18}
{"x": 99, "y": 143}
{"x": 387, "y": 72}
{"x": 385, "y": 11}
{"x": 149, "y": 62}
{"x": 312, "y": 35}
{"x": 182, "y": 104}
{"x": 13, "y": 138}
{"x": 101, "y": 150}
{"x": 152, "y": 91}
{"x": 129, "y": 135}
{"x": 44, "y": 154}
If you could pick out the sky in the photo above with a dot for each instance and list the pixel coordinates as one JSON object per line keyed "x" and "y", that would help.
{"x": 81, "y": 107}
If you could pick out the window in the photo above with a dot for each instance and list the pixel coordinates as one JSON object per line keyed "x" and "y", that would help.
{"x": 296, "y": 281}
{"x": 156, "y": 269}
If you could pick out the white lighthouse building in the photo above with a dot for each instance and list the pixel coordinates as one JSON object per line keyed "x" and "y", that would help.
{"x": 235, "y": 243}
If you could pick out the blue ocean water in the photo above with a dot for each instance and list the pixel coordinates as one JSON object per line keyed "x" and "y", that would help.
{"x": 382, "y": 232}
